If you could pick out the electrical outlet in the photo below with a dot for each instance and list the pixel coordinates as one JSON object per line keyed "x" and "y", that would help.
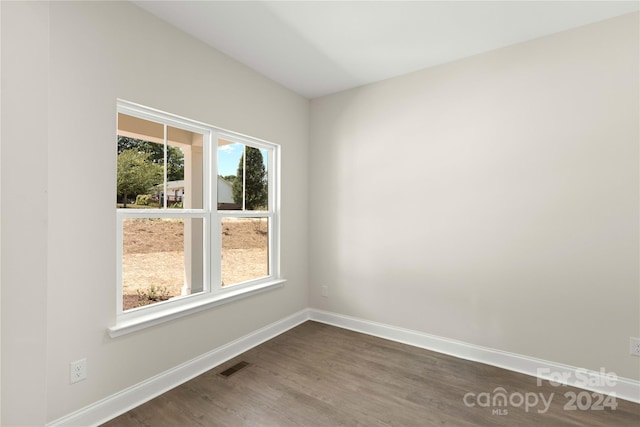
{"x": 78, "y": 370}
{"x": 325, "y": 291}
{"x": 634, "y": 346}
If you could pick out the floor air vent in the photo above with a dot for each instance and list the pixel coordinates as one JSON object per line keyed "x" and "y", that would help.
{"x": 232, "y": 370}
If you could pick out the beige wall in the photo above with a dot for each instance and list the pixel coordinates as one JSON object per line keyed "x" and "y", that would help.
{"x": 493, "y": 200}
{"x": 24, "y": 251}
{"x": 64, "y": 65}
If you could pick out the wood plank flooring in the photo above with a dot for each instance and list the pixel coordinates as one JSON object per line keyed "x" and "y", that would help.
{"x": 320, "y": 375}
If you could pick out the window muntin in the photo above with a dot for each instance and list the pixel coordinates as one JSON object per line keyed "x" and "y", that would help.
{"x": 204, "y": 254}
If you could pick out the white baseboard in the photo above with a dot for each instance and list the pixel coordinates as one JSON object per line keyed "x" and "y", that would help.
{"x": 622, "y": 388}
{"x": 125, "y": 400}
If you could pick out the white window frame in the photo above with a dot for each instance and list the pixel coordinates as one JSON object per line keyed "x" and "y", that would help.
{"x": 213, "y": 293}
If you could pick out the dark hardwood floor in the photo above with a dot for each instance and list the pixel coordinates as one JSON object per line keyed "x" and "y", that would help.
{"x": 320, "y": 375}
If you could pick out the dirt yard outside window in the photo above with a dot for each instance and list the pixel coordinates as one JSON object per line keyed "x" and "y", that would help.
{"x": 153, "y": 256}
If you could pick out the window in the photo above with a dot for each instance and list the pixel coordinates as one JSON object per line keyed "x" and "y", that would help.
{"x": 197, "y": 216}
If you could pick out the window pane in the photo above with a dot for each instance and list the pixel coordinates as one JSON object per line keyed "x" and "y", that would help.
{"x": 184, "y": 169}
{"x": 238, "y": 190}
{"x": 140, "y": 172}
{"x": 229, "y": 191}
{"x": 142, "y": 176}
{"x": 162, "y": 258}
{"x": 245, "y": 254}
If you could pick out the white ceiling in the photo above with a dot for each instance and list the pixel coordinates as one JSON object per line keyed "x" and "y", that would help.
{"x": 321, "y": 47}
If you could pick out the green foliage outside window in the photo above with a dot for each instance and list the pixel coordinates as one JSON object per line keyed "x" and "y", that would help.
{"x": 175, "y": 157}
{"x": 255, "y": 183}
{"x": 136, "y": 174}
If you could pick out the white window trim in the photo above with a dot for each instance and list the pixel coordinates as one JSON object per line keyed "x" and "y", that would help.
{"x": 190, "y": 304}
{"x": 212, "y": 295}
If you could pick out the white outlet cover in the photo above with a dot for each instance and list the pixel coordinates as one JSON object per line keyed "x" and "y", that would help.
{"x": 634, "y": 346}
{"x": 78, "y": 370}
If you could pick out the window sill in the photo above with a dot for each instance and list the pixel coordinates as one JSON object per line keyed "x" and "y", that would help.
{"x": 124, "y": 327}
